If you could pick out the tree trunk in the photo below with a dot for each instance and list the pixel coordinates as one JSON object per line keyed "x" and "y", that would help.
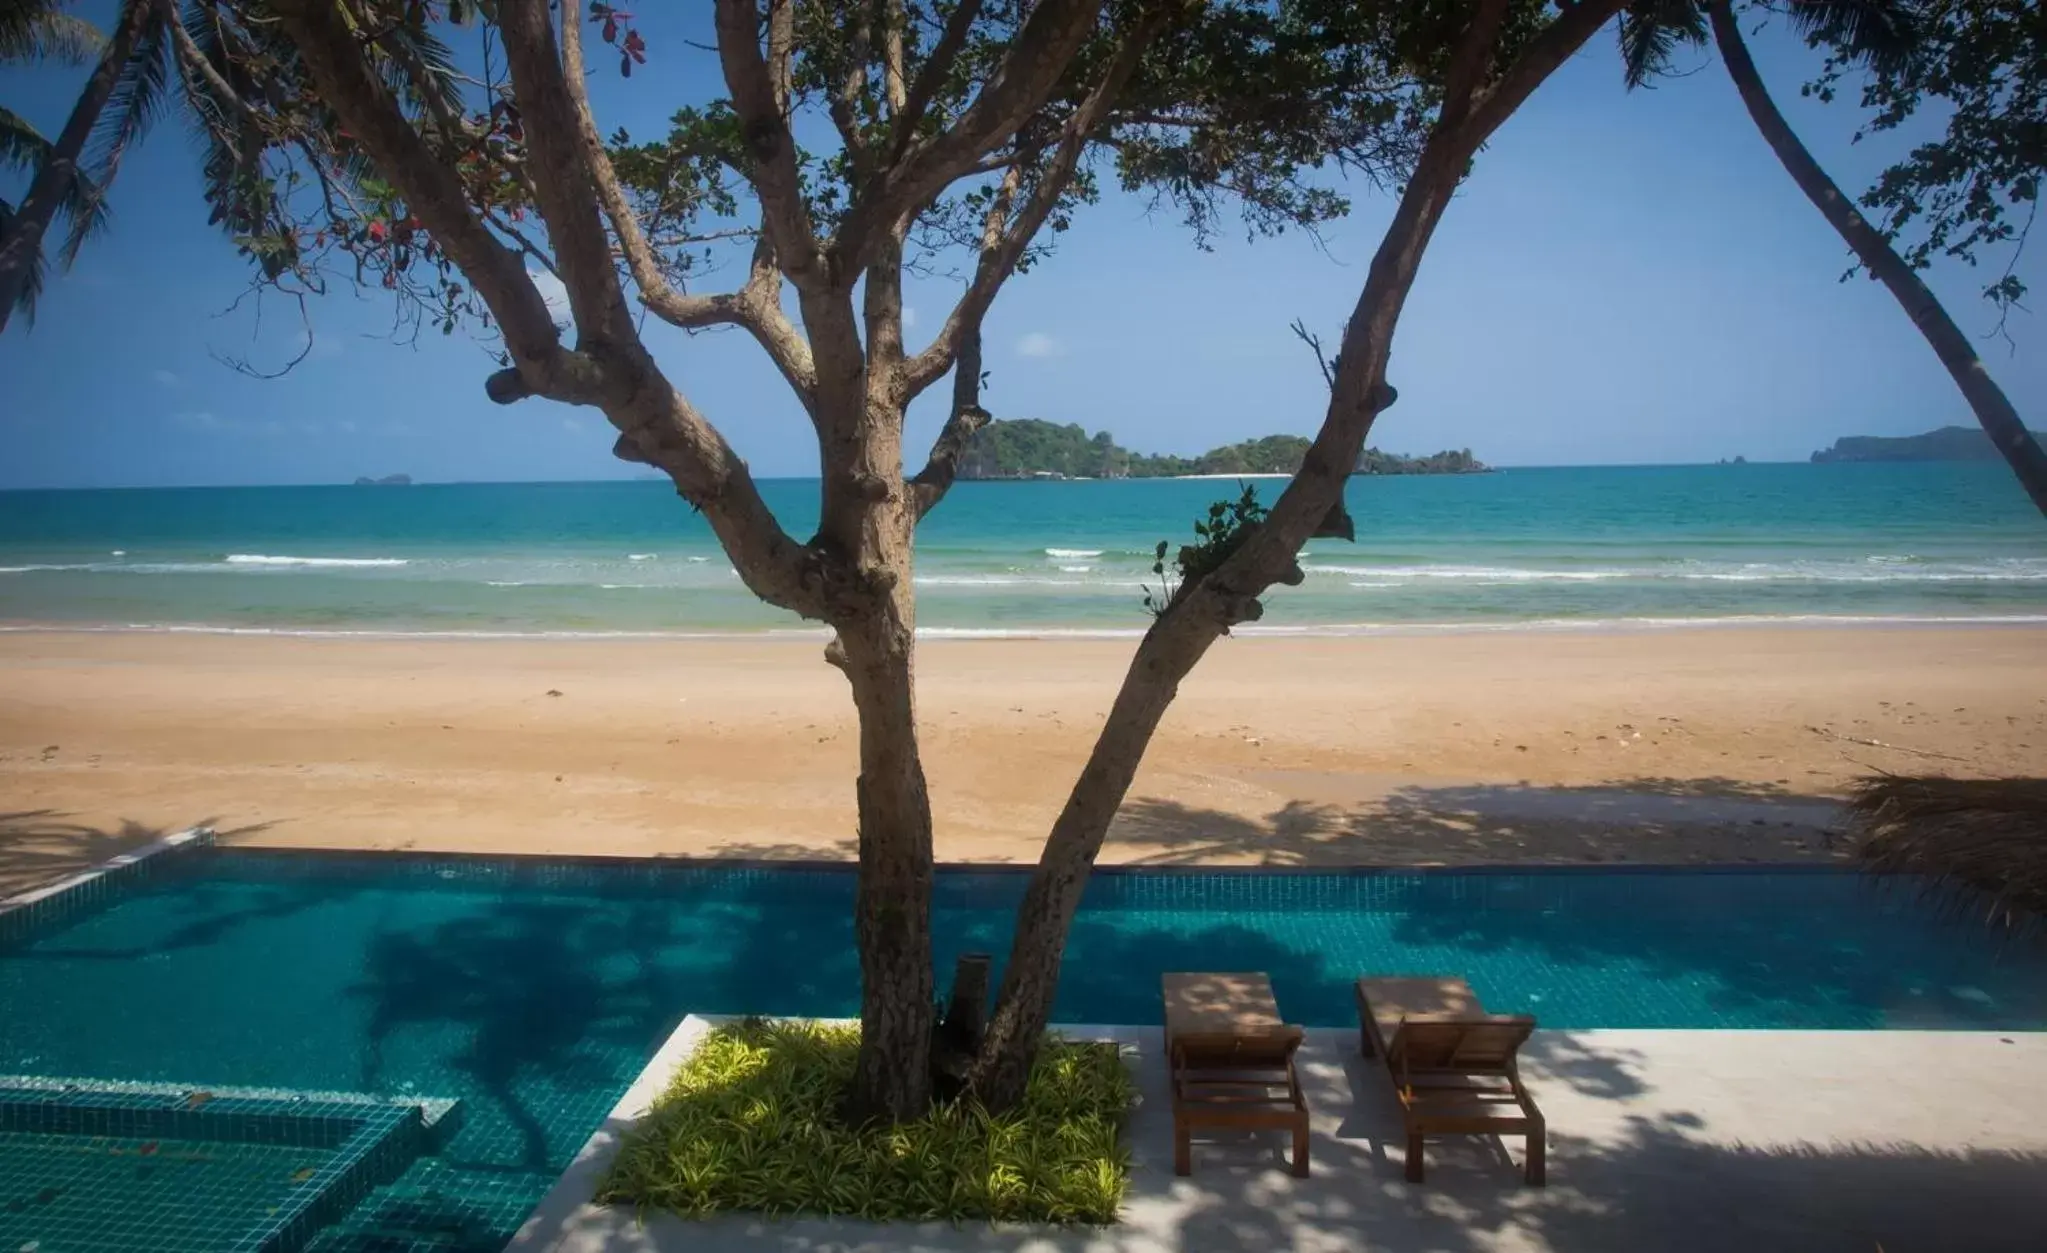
{"x": 892, "y": 910}
{"x": 22, "y": 244}
{"x": 1993, "y": 409}
{"x": 1200, "y": 615}
{"x": 868, "y": 514}
{"x": 1029, "y": 982}
{"x": 956, "y": 1041}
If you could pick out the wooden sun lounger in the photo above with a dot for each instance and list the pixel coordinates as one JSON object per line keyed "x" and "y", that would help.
{"x": 1232, "y": 1061}
{"x": 1452, "y": 1064}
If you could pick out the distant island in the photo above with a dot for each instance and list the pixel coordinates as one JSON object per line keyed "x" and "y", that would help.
{"x": 1028, "y": 448}
{"x": 389, "y": 480}
{"x": 1949, "y": 443}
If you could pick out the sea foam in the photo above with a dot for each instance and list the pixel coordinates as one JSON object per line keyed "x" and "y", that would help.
{"x": 264, "y": 559}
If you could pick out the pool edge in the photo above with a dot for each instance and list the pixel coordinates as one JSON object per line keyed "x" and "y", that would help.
{"x": 550, "y": 1222}
{"x": 24, "y": 911}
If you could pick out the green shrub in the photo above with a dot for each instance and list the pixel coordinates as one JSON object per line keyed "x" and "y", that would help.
{"x": 751, "y": 1123}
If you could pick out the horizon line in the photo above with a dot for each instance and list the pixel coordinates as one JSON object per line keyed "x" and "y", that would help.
{"x": 1728, "y": 463}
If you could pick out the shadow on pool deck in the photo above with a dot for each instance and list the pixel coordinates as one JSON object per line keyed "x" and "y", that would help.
{"x": 1336, "y": 820}
{"x": 1805, "y": 1142}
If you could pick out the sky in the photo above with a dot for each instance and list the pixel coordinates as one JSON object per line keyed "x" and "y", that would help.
{"x": 1626, "y": 278}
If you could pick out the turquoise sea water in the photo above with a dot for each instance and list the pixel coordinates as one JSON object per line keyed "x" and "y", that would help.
{"x": 1593, "y": 545}
{"x": 534, "y": 991}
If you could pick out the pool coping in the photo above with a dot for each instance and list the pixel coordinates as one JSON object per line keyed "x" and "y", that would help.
{"x": 549, "y": 1222}
{"x": 24, "y": 911}
{"x": 847, "y": 865}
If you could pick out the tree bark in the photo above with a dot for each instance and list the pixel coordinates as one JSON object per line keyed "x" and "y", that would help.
{"x": 23, "y": 243}
{"x": 868, "y": 514}
{"x": 1992, "y": 408}
{"x": 892, "y": 909}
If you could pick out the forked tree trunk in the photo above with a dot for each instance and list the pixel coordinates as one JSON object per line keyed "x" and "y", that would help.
{"x": 1993, "y": 409}
{"x": 22, "y": 243}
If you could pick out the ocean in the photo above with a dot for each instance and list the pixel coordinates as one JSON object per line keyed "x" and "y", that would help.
{"x": 1603, "y": 546}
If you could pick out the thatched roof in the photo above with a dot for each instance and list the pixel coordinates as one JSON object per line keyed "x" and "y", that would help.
{"x": 1985, "y": 838}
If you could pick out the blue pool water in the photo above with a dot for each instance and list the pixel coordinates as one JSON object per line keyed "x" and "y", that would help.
{"x": 535, "y": 991}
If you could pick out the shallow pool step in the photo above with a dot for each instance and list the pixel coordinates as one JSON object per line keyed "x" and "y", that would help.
{"x": 416, "y": 1220}
{"x": 176, "y": 1166}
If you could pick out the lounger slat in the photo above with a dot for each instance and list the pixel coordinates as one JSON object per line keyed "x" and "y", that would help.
{"x": 1232, "y": 1060}
{"x": 1454, "y": 1067}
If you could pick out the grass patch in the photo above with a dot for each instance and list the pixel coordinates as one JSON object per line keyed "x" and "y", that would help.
{"x": 750, "y": 1123}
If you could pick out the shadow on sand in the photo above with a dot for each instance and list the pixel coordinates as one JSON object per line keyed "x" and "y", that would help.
{"x": 1653, "y": 820}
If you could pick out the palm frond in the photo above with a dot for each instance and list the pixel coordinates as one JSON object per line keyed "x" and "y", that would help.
{"x": 90, "y": 213}
{"x": 25, "y": 303}
{"x": 29, "y": 35}
{"x": 138, "y": 100}
{"x": 440, "y": 91}
{"x": 1881, "y": 35}
{"x": 1651, "y": 34}
{"x": 1984, "y": 841}
{"x": 22, "y": 146}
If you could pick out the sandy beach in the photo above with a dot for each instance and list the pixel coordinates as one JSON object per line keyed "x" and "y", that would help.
{"x": 1647, "y": 746}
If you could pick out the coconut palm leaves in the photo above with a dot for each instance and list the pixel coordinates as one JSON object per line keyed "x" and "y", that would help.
{"x": 120, "y": 98}
{"x": 34, "y": 31}
{"x": 752, "y": 1123}
{"x": 1874, "y": 34}
{"x": 1884, "y": 37}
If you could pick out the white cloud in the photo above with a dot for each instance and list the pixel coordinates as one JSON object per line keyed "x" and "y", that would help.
{"x": 1038, "y": 344}
{"x": 165, "y": 378}
{"x": 345, "y": 426}
{"x": 553, "y": 291}
{"x": 327, "y": 346}
{"x": 572, "y": 426}
{"x": 197, "y": 420}
{"x": 909, "y": 316}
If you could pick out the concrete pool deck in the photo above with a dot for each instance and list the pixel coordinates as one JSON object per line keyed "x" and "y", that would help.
{"x": 1660, "y": 1142}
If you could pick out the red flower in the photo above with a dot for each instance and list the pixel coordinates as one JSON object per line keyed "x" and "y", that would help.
{"x": 376, "y": 232}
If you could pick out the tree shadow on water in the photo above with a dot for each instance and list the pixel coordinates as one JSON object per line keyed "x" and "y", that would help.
{"x": 1665, "y": 947}
{"x": 537, "y": 990}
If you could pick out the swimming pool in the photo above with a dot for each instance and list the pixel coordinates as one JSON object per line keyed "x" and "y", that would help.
{"x": 533, "y": 991}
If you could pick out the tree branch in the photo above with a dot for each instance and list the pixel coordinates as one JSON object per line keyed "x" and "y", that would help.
{"x": 1314, "y": 343}
{"x": 658, "y": 426}
{"x": 1558, "y": 43}
{"x": 563, "y": 178}
{"x": 433, "y": 192}
{"x": 845, "y": 101}
{"x": 930, "y": 76}
{"x": 968, "y": 417}
{"x": 755, "y": 306}
{"x": 893, "y": 88}
{"x": 1047, "y": 44}
{"x": 196, "y": 65}
{"x": 760, "y": 96}
{"x": 1002, "y": 249}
